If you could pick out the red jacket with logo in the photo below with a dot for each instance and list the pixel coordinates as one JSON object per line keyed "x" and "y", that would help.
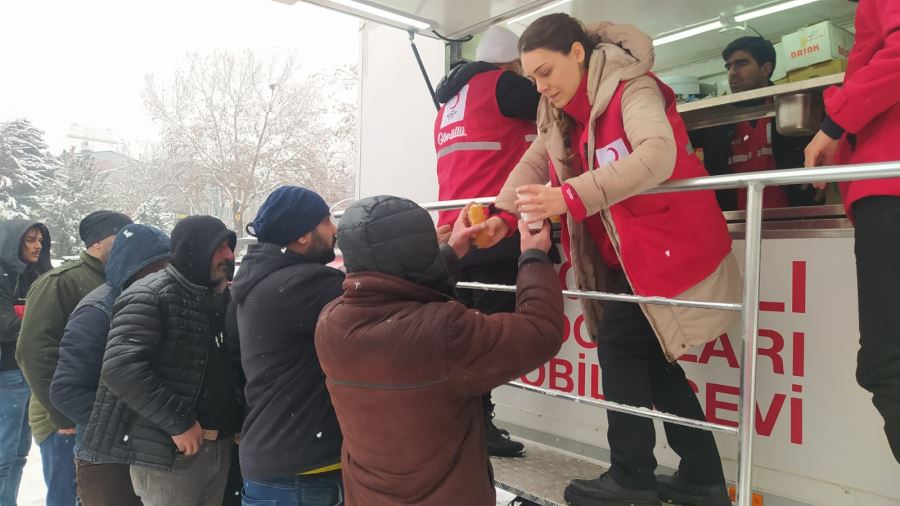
{"x": 667, "y": 242}
{"x": 867, "y": 106}
{"x": 477, "y": 146}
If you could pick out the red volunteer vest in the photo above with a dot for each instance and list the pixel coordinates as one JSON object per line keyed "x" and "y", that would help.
{"x": 668, "y": 242}
{"x": 751, "y": 151}
{"x": 477, "y": 147}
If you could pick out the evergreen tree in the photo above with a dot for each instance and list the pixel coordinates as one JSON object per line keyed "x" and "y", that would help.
{"x": 26, "y": 168}
{"x": 77, "y": 190}
{"x": 155, "y": 212}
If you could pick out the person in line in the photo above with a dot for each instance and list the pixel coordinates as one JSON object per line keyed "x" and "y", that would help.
{"x": 50, "y": 301}
{"x": 407, "y": 365}
{"x": 290, "y": 449}
{"x": 138, "y": 251}
{"x": 24, "y": 256}
{"x": 167, "y": 403}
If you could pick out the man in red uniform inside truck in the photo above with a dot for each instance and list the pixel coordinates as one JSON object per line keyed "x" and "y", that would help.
{"x": 482, "y": 130}
{"x": 754, "y": 145}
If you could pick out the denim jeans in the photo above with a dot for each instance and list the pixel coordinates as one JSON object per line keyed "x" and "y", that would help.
{"x": 326, "y": 489}
{"x": 15, "y": 434}
{"x": 58, "y": 458}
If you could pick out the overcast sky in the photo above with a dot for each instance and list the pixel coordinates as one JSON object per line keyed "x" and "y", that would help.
{"x": 84, "y": 61}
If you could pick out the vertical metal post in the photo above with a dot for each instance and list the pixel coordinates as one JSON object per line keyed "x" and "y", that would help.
{"x": 454, "y": 47}
{"x": 750, "y": 321}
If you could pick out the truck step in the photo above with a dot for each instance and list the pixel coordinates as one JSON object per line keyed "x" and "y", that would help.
{"x": 542, "y": 474}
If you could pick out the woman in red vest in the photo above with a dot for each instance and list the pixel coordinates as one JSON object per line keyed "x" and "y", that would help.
{"x": 608, "y": 131}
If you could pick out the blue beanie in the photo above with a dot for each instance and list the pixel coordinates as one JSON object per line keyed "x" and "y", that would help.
{"x": 289, "y": 213}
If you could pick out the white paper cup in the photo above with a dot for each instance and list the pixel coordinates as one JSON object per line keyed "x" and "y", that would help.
{"x": 526, "y": 217}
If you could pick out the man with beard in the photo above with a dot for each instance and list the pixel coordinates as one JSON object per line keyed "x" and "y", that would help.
{"x": 753, "y": 145}
{"x": 290, "y": 450}
{"x": 167, "y": 403}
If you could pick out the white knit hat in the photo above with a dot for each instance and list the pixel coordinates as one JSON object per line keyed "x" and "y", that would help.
{"x": 498, "y": 45}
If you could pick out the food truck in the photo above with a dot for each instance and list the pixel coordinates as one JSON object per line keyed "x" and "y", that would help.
{"x": 815, "y": 437}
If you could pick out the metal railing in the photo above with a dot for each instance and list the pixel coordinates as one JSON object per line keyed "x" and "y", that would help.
{"x": 754, "y": 183}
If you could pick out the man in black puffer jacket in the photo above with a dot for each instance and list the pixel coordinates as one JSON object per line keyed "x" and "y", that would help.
{"x": 167, "y": 402}
{"x": 291, "y": 440}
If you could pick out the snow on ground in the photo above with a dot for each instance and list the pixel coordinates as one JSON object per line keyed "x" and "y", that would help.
{"x": 504, "y": 497}
{"x": 32, "y": 491}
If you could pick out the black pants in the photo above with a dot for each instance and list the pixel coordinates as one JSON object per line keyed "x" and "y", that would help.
{"x": 502, "y": 272}
{"x": 635, "y": 372}
{"x": 235, "y": 482}
{"x": 878, "y": 282}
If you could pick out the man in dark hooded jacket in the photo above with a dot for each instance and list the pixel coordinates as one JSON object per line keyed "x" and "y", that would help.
{"x": 406, "y": 365}
{"x": 291, "y": 442}
{"x": 167, "y": 403}
{"x": 51, "y": 299}
{"x": 138, "y": 250}
{"x": 24, "y": 255}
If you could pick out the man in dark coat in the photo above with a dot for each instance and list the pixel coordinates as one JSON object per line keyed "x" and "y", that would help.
{"x": 291, "y": 442}
{"x": 167, "y": 402}
{"x": 406, "y": 364}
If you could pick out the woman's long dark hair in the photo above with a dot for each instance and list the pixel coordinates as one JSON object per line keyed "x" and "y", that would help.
{"x": 556, "y": 32}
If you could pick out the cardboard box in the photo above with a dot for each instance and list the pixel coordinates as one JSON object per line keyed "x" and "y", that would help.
{"x": 816, "y": 44}
{"x": 818, "y": 70}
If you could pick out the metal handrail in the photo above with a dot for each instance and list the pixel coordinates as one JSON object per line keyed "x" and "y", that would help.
{"x": 631, "y": 410}
{"x": 617, "y": 297}
{"x": 754, "y": 183}
{"x": 779, "y": 177}
{"x": 782, "y": 177}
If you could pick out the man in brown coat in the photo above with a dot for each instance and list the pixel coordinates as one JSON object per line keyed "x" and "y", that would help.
{"x": 406, "y": 364}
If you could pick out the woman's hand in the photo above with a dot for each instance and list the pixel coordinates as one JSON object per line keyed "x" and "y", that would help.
{"x": 540, "y": 202}
{"x": 443, "y": 233}
{"x": 496, "y": 230}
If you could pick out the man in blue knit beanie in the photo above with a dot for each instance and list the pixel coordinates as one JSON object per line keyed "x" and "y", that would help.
{"x": 291, "y": 441}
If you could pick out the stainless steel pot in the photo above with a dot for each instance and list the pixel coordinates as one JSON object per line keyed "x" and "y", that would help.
{"x": 798, "y": 114}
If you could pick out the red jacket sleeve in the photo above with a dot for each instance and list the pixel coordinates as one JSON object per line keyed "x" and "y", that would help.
{"x": 872, "y": 88}
{"x": 576, "y": 206}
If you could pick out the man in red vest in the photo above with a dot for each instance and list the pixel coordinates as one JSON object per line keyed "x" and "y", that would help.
{"x": 482, "y": 130}
{"x": 755, "y": 145}
{"x": 863, "y": 126}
